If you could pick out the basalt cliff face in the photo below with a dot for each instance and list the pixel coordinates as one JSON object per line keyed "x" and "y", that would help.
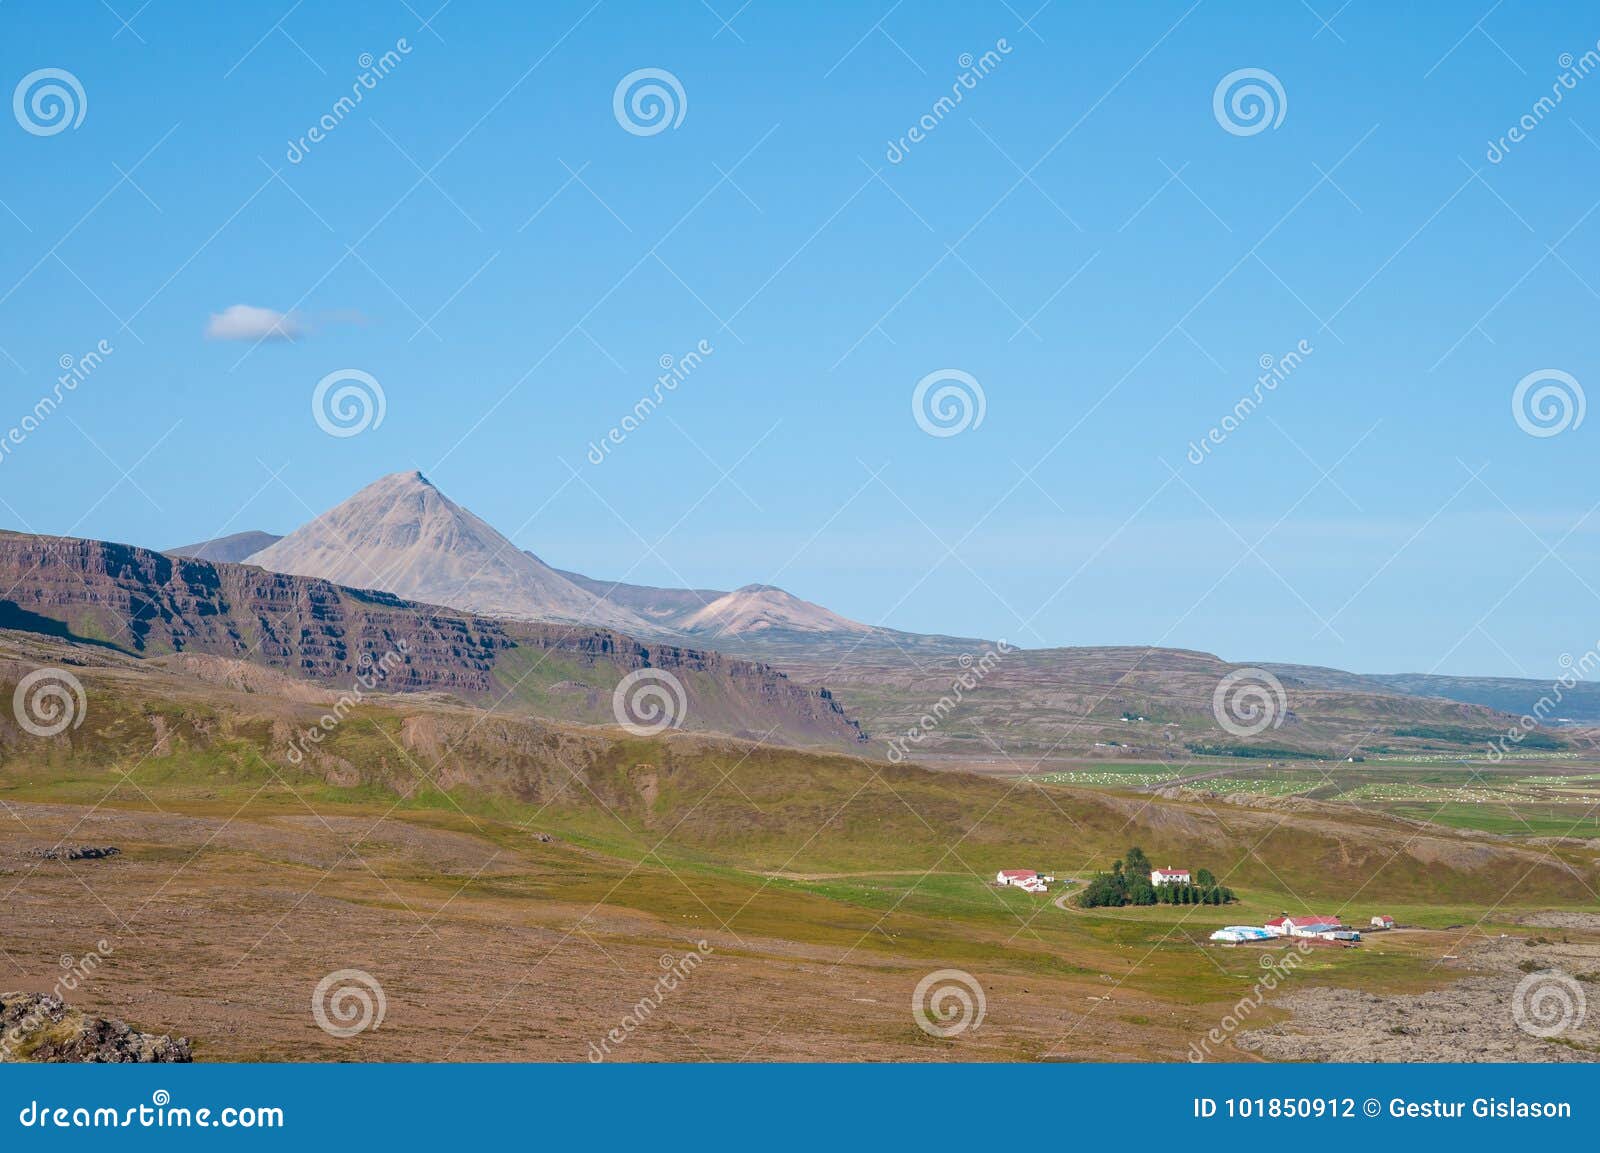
{"x": 151, "y": 604}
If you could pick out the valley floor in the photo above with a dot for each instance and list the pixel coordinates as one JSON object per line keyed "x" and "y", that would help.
{"x": 489, "y": 945}
{"x": 222, "y": 912}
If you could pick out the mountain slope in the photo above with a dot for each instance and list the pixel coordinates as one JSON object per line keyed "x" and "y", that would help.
{"x": 116, "y": 599}
{"x": 401, "y": 535}
{"x": 1141, "y": 704}
{"x": 229, "y": 549}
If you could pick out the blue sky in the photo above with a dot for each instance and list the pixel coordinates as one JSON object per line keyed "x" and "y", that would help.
{"x": 1081, "y": 235}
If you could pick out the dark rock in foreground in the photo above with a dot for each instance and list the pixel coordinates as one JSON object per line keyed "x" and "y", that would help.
{"x": 82, "y": 853}
{"x": 39, "y": 1027}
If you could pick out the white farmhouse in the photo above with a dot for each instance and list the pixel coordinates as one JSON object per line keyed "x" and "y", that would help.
{"x": 1169, "y": 876}
{"x": 1019, "y": 877}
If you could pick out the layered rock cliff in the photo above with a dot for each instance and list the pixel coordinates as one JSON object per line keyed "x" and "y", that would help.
{"x": 149, "y": 604}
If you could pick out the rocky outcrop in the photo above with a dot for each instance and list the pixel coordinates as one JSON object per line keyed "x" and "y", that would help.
{"x": 40, "y": 1027}
{"x": 77, "y": 853}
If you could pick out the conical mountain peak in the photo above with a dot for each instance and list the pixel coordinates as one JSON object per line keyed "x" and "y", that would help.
{"x": 401, "y": 534}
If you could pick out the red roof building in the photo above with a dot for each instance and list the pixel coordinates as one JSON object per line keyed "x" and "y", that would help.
{"x": 1016, "y": 877}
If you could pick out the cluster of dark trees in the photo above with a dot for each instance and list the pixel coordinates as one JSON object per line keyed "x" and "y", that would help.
{"x": 1128, "y": 883}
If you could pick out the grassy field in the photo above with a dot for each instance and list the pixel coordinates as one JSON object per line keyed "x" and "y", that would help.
{"x": 1509, "y": 800}
{"x": 412, "y": 841}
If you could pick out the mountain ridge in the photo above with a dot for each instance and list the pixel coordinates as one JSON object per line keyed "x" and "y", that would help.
{"x": 231, "y": 549}
{"x": 124, "y": 599}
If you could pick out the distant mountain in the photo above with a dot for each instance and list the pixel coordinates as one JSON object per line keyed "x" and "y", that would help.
{"x": 658, "y": 605}
{"x": 766, "y": 608}
{"x": 228, "y": 549}
{"x": 401, "y": 535}
{"x": 766, "y": 622}
{"x": 112, "y": 602}
{"x": 710, "y": 613}
{"x": 1552, "y": 703}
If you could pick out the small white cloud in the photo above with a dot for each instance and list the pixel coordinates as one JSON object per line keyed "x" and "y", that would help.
{"x": 246, "y": 322}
